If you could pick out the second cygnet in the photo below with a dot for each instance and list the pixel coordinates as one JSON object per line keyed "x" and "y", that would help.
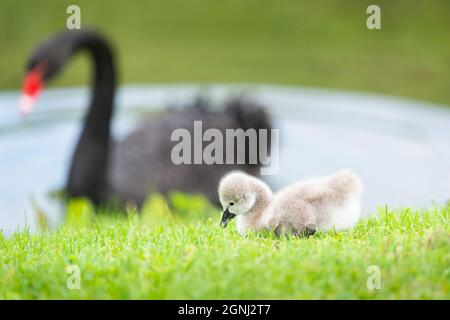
{"x": 299, "y": 209}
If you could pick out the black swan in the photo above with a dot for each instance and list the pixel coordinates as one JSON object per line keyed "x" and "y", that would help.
{"x": 128, "y": 170}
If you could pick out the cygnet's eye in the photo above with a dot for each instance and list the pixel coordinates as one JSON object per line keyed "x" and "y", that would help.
{"x": 231, "y": 203}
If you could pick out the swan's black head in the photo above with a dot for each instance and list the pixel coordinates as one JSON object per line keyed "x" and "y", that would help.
{"x": 50, "y": 56}
{"x": 46, "y": 61}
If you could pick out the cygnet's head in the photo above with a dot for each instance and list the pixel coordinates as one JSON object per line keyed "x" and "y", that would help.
{"x": 238, "y": 193}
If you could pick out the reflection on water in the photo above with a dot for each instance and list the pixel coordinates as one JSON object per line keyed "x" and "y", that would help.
{"x": 400, "y": 148}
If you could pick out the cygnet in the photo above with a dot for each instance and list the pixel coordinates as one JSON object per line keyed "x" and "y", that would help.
{"x": 299, "y": 209}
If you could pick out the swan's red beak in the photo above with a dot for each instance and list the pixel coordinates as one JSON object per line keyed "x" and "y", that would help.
{"x": 32, "y": 86}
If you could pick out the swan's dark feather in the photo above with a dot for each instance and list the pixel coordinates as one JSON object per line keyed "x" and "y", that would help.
{"x": 142, "y": 162}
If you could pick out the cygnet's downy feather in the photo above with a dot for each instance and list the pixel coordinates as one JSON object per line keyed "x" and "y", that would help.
{"x": 299, "y": 209}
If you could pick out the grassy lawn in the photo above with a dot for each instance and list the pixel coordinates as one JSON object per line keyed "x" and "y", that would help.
{"x": 160, "y": 255}
{"x": 311, "y": 43}
{"x": 181, "y": 252}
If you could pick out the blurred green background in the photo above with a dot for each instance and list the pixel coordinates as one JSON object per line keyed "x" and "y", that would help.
{"x": 308, "y": 43}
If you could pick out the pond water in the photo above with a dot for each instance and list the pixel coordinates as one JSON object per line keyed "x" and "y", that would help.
{"x": 401, "y": 148}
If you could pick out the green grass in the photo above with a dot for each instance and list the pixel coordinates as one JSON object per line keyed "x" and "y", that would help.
{"x": 311, "y": 43}
{"x": 159, "y": 255}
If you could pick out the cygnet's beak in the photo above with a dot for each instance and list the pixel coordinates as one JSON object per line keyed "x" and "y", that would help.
{"x": 227, "y": 216}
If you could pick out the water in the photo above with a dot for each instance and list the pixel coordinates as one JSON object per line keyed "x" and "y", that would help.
{"x": 401, "y": 148}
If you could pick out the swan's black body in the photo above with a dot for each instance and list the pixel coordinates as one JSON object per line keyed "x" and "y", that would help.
{"x": 129, "y": 170}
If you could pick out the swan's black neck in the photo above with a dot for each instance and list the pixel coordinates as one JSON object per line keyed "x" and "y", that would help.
{"x": 89, "y": 167}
